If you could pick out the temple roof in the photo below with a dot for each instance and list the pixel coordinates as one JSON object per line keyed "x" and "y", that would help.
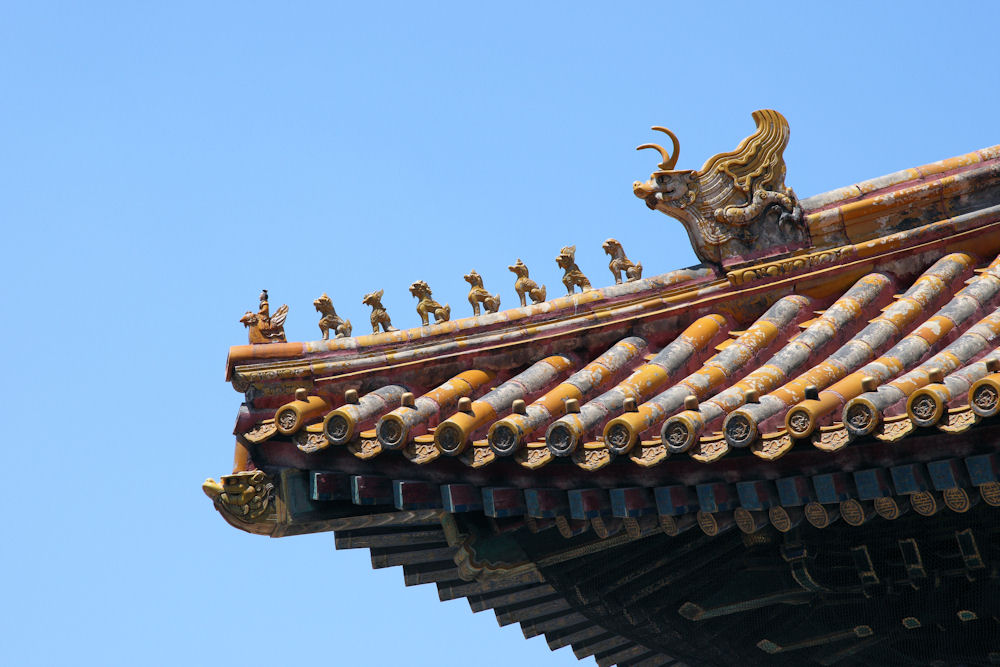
{"x": 835, "y": 357}
{"x": 698, "y": 363}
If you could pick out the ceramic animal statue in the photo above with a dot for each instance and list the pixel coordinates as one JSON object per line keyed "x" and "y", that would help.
{"x": 572, "y": 277}
{"x": 620, "y": 263}
{"x": 379, "y": 314}
{"x": 736, "y": 207}
{"x": 329, "y": 320}
{"x": 245, "y": 499}
{"x": 428, "y": 306}
{"x": 479, "y": 295}
{"x": 262, "y": 327}
{"x": 525, "y": 285}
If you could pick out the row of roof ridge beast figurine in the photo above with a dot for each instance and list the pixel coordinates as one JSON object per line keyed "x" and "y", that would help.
{"x": 737, "y": 203}
{"x": 263, "y": 327}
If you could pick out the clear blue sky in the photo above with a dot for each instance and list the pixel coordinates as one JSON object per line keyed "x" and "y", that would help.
{"x": 163, "y": 163}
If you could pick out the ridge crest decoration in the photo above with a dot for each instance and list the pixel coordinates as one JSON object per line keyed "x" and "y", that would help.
{"x": 736, "y": 208}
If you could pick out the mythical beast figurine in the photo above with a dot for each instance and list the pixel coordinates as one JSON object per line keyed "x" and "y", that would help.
{"x": 525, "y": 285}
{"x": 379, "y": 314}
{"x": 736, "y": 208}
{"x": 330, "y": 320}
{"x": 479, "y": 295}
{"x": 427, "y": 305}
{"x": 620, "y": 263}
{"x": 262, "y": 327}
{"x": 572, "y": 275}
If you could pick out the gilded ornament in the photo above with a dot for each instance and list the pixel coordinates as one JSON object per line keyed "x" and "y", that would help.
{"x": 421, "y": 450}
{"x": 780, "y": 518}
{"x": 534, "y": 456}
{"x": 798, "y": 422}
{"x": 957, "y": 500}
{"x": 310, "y": 442}
{"x": 924, "y": 503}
{"x": 860, "y": 416}
{"x": 740, "y": 430}
{"x": 427, "y": 306}
{"x": 262, "y": 327}
{"x": 853, "y": 512}
{"x": 330, "y": 321}
{"x": 736, "y": 206}
{"x": 365, "y": 447}
{"x": 985, "y": 399}
{"x": 831, "y": 438}
{"x": 379, "y": 317}
{"x": 479, "y": 455}
{"x": 525, "y": 286}
{"x": 817, "y": 515}
{"x": 773, "y": 447}
{"x": 479, "y": 295}
{"x": 795, "y": 264}
{"x": 245, "y": 500}
{"x": 708, "y": 523}
{"x": 261, "y": 432}
{"x": 592, "y": 458}
{"x": 923, "y": 407}
{"x": 676, "y": 434}
{"x": 990, "y": 492}
{"x": 649, "y": 454}
{"x": 620, "y": 263}
{"x": 708, "y": 450}
{"x": 888, "y": 508}
{"x": 959, "y": 421}
{"x": 572, "y": 275}
{"x": 894, "y": 428}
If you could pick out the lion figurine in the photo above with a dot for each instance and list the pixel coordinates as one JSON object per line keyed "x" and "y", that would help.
{"x": 379, "y": 313}
{"x": 478, "y": 294}
{"x": 525, "y": 285}
{"x": 330, "y": 320}
{"x": 620, "y": 263}
{"x": 427, "y": 305}
{"x": 572, "y": 277}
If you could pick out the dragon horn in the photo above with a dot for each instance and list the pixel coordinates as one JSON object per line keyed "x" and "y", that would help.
{"x": 669, "y": 161}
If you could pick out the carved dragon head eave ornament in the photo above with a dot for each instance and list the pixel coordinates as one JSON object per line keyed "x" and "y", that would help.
{"x": 736, "y": 208}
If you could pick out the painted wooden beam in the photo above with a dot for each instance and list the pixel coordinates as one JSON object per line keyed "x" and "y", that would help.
{"x": 589, "y": 503}
{"x": 409, "y": 495}
{"x": 633, "y": 502}
{"x": 371, "y": 490}
{"x": 456, "y": 498}
{"x": 546, "y": 503}
{"x": 503, "y": 501}
{"x": 325, "y": 486}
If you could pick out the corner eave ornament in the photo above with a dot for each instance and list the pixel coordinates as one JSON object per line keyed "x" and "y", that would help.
{"x": 736, "y": 208}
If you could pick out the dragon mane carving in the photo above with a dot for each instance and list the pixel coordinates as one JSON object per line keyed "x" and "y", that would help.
{"x": 736, "y": 208}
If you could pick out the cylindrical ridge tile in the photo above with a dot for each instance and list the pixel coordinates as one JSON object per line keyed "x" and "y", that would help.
{"x": 660, "y": 370}
{"x": 340, "y": 426}
{"x": 622, "y": 433}
{"x": 743, "y": 426}
{"x": 507, "y": 435}
{"x": 805, "y": 417}
{"x": 398, "y": 427}
{"x": 863, "y": 414}
{"x": 681, "y": 431}
{"x": 452, "y": 435}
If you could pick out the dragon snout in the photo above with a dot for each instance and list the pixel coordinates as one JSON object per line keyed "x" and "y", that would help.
{"x": 642, "y": 190}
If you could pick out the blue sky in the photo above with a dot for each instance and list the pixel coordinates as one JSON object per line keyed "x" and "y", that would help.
{"x": 163, "y": 163}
